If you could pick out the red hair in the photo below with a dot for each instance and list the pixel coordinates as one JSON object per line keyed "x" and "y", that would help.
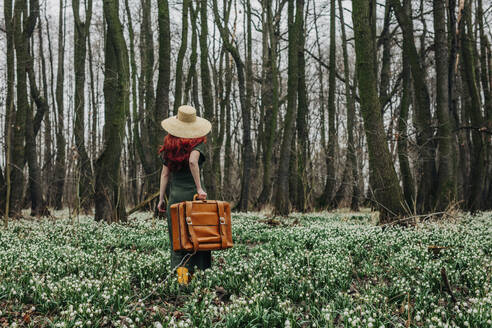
{"x": 176, "y": 151}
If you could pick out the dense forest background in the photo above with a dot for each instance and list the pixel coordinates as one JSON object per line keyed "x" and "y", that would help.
{"x": 314, "y": 104}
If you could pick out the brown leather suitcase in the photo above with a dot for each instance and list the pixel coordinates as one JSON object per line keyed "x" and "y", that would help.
{"x": 201, "y": 225}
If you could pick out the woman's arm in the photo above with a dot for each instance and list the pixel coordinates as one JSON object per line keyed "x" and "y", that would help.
{"x": 195, "y": 171}
{"x": 162, "y": 190}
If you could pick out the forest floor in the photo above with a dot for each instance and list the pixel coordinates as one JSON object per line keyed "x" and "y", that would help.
{"x": 314, "y": 270}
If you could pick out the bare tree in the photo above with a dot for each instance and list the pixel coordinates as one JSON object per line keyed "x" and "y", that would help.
{"x": 109, "y": 196}
{"x": 384, "y": 181}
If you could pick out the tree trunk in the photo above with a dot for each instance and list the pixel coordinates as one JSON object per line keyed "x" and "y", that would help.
{"x": 248, "y": 158}
{"x": 132, "y": 120}
{"x": 425, "y": 141}
{"x": 95, "y": 107}
{"x": 453, "y": 96}
{"x": 489, "y": 65}
{"x": 351, "y": 161}
{"x": 385, "y": 39}
{"x": 181, "y": 54}
{"x": 9, "y": 100}
{"x": 327, "y": 195}
{"x": 164, "y": 79}
{"x": 109, "y": 196}
{"x": 60, "y": 133}
{"x": 282, "y": 195}
{"x": 191, "y": 80}
{"x": 17, "y": 151}
{"x": 302, "y": 115}
{"x": 293, "y": 172}
{"x": 402, "y": 142}
{"x": 83, "y": 175}
{"x": 151, "y": 133}
{"x": 474, "y": 201}
{"x": 3, "y": 192}
{"x": 446, "y": 187}
{"x": 385, "y": 187}
{"x": 224, "y": 94}
{"x": 228, "y": 155}
{"x": 161, "y": 110}
{"x": 487, "y": 93}
{"x": 208, "y": 101}
{"x": 48, "y": 160}
{"x": 33, "y": 125}
{"x": 271, "y": 102}
{"x": 23, "y": 28}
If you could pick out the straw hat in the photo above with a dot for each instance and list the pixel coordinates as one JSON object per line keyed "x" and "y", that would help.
{"x": 186, "y": 124}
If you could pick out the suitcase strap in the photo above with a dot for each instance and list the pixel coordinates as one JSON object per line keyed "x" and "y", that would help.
{"x": 189, "y": 223}
{"x": 222, "y": 224}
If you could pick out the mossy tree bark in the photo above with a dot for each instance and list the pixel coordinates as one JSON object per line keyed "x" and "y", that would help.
{"x": 458, "y": 152}
{"x": 282, "y": 196}
{"x": 60, "y": 133}
{"x": 164, "y": 79}
{"x": 109, "y": 196}
{"x": 487, "y": 92}
{"x": 33, "y": 125}
{"x": 446, "y": 187}
{"x": 475, "y": 198}
{"x": 425, "y": 140}
{"x": 151, "y": 134}
{"x": 270, "y": 98}
{"x": 385, "y": 40}
{"x": 402, "y": 128}
{"x": 84, "y": 175}
{"x": 385, "y": 186}
{"x": 9, "y": 102}
{"x": 248, "y": 156}
{"x": 302, "y": 116}
{"x": 24, "y": 23}
{"x": 3, "y": 190}
{"x": 19, "y": 127}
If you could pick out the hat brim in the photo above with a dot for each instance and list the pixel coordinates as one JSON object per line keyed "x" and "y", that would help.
{"x": 201, "y": 127}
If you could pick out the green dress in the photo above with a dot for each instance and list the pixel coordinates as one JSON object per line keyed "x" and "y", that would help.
{"x": 182, "y": 188}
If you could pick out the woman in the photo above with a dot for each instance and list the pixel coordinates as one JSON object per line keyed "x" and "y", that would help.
{"x": 182, "y": 155}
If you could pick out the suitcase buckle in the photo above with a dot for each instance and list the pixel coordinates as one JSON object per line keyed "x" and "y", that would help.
{"x": 222, "y": 220}
{"x": 188, "y": 220}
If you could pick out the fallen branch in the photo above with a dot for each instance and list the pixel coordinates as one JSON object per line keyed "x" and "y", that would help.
{"x": 142, "y": 204}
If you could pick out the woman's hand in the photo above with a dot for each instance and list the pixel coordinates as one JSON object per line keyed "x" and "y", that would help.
{"x": 161, "y": 206}
{"x": 202, "y": 195}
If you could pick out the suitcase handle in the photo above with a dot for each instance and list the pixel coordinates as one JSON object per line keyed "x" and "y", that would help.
{"x": 195, "y": 197}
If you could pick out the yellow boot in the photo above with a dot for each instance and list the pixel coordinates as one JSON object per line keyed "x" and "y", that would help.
{"x": 183, "y": 275}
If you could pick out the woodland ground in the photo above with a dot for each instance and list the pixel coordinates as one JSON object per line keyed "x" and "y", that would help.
{"x": 315, "y": 270}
